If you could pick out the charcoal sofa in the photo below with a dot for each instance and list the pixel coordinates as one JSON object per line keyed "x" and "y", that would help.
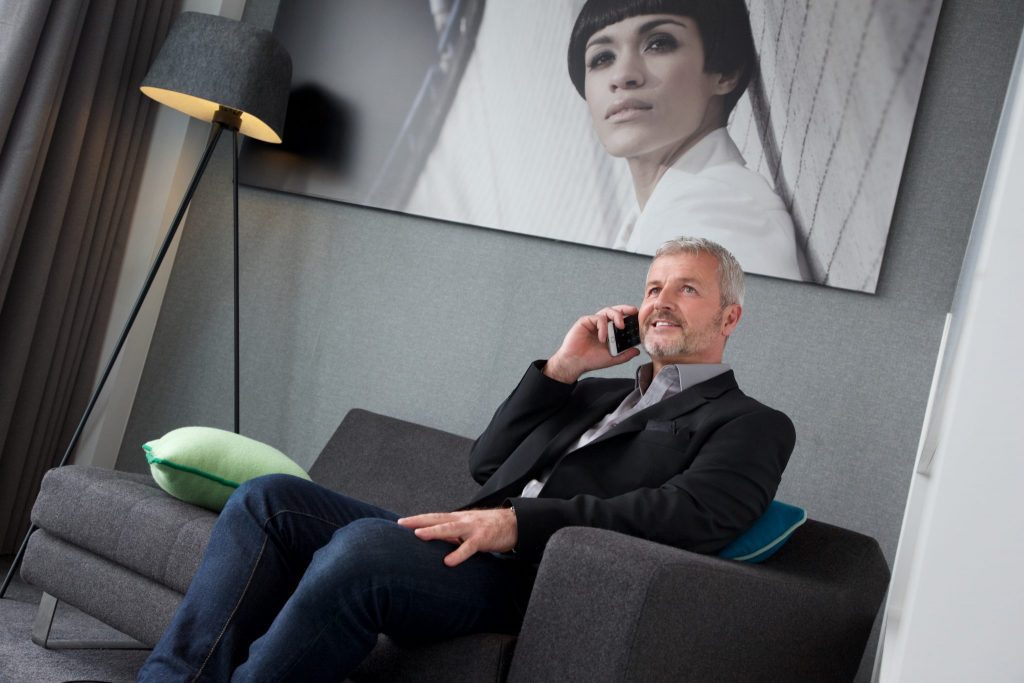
{"x": 605, "y": 607}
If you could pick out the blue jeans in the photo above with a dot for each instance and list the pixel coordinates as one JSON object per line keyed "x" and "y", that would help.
{"x": 298, "y": 581}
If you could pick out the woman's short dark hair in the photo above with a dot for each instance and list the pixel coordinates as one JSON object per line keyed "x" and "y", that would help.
{"x": 724, "y": 27}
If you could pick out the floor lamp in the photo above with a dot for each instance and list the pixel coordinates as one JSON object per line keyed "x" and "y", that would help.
{"x": 236, "y": 77}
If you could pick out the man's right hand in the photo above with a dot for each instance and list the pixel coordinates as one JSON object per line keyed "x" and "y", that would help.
{"x": 585, "y": 346}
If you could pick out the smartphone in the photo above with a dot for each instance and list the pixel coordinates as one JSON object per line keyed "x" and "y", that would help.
{"x": 628, "y": 336}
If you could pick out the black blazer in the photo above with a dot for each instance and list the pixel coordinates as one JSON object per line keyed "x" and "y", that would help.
{"x": 693, "y": 471}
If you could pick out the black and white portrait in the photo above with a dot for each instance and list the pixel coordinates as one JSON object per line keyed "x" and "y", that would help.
{"x": 778, "y": 128}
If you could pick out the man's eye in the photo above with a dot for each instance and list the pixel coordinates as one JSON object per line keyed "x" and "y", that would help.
{"x": 689, "y": 290}
{"x": 600, "y": 59}
{"x": 653, "y": 290}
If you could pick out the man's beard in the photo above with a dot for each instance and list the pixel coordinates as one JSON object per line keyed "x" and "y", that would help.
{"x": 689, "y": 342}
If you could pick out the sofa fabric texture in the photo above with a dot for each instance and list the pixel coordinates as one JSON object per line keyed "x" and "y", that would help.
{"x": 483, "y": 657}
{"x": 117, "y": 596}
{"x": 605, "y": 607}
{"x": 400, "y": 466}
{"x": 127, "y": 519}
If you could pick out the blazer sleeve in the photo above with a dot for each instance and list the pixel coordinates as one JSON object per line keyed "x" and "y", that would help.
{"x": 534, "y": 400}
{"x": 726, "y": 488}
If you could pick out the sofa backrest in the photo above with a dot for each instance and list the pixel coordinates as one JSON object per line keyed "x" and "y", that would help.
{"x": 398, "y": 465}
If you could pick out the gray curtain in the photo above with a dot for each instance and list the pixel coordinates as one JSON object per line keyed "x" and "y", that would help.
{"x": 72, "y": 121}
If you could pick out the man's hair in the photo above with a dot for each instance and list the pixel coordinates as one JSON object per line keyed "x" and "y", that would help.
{"x": 730, "y": 274}
{"x": 724, "y": 27}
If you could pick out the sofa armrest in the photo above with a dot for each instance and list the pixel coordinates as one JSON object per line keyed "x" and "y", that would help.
{"x": 607, "y": 606}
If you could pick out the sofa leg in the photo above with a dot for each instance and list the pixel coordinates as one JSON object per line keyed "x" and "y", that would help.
{"x": 44, "y": 622}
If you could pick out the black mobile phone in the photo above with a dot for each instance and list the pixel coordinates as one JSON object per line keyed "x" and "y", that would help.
{"x": 628, "y": 336}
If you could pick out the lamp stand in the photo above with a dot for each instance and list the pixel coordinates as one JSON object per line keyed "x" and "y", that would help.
{"x": 225, "y": 118}
{"x": 234, "y": 189}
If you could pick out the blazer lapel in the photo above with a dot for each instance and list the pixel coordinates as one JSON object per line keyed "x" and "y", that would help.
{"x": 676, "y": 406}
{"x": 523, "y": 461}
{"x": 572, "y": 431}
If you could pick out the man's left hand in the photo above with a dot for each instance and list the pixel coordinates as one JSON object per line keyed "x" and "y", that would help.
{"x": 474, "y": 531}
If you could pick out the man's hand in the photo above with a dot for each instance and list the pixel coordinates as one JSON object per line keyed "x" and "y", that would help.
{"x": 474, "y": 531}
{"x": 585, "y": 346}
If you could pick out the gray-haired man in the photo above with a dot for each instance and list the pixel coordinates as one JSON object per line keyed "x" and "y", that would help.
{"x": 298, "y": 581}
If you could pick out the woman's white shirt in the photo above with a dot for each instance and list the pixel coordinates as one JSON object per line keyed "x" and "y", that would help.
{"x": 710, "y": 192}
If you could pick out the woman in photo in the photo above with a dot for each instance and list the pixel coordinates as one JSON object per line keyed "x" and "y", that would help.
{"x": 660, "y": 78}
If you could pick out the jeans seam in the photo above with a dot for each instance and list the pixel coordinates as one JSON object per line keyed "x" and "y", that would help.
{"x": 245, "y": 589}
{"x": 268, "y": 520}
{"x": 336, "y": 525}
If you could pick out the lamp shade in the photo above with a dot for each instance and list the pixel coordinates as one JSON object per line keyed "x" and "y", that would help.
{"x": 208, "y": 62}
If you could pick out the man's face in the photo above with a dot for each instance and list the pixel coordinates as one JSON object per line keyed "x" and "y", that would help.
{"x": 681, "y": 317}
{"x": 646, "y": 87}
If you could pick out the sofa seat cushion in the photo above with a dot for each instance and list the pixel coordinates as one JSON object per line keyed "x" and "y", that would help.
{"x": 127, "y": 519}
{"x": 117, "y": 596}
{"x": 478, "y": 657}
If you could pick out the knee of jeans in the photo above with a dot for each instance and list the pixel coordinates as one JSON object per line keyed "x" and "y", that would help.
{"x": 368, "y": 550}
{"x": 258, "y": 495}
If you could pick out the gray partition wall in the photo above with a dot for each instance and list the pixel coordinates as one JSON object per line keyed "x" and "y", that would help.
{"x": 344, "y": 307}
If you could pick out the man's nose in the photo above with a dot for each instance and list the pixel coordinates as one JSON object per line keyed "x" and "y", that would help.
{"x": 663, "y": 301}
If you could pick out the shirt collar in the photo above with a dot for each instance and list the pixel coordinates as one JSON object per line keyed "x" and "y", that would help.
{"x": 678, "y": 377}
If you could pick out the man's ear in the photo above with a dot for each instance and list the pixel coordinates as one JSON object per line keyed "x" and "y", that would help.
{"x": 731, "y": 318}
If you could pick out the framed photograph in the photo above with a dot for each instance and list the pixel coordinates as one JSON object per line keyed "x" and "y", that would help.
{"x": 778, "y": 128}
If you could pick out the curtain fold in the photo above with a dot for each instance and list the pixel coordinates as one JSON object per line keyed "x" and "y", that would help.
{"x": 69, "y": 167}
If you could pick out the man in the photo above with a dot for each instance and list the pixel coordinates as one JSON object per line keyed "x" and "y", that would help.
{"x": 298, "y": 581}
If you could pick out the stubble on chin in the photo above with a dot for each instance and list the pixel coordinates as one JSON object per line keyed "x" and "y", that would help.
{"x": 661, "y": 349}
{"x": 689, "y": 342}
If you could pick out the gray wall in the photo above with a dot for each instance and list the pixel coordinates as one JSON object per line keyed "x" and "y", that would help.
{"x": 432, "y": 322}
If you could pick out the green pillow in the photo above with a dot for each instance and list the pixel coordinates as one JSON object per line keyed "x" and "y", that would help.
{"x": 203, "y": 466}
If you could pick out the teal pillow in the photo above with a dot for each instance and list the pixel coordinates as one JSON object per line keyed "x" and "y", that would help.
{"x": 768, "y": 534}
{"x": 204, "y": 466}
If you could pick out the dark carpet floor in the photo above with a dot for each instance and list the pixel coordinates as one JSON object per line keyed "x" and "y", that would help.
{"x": 22, "y": 661}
